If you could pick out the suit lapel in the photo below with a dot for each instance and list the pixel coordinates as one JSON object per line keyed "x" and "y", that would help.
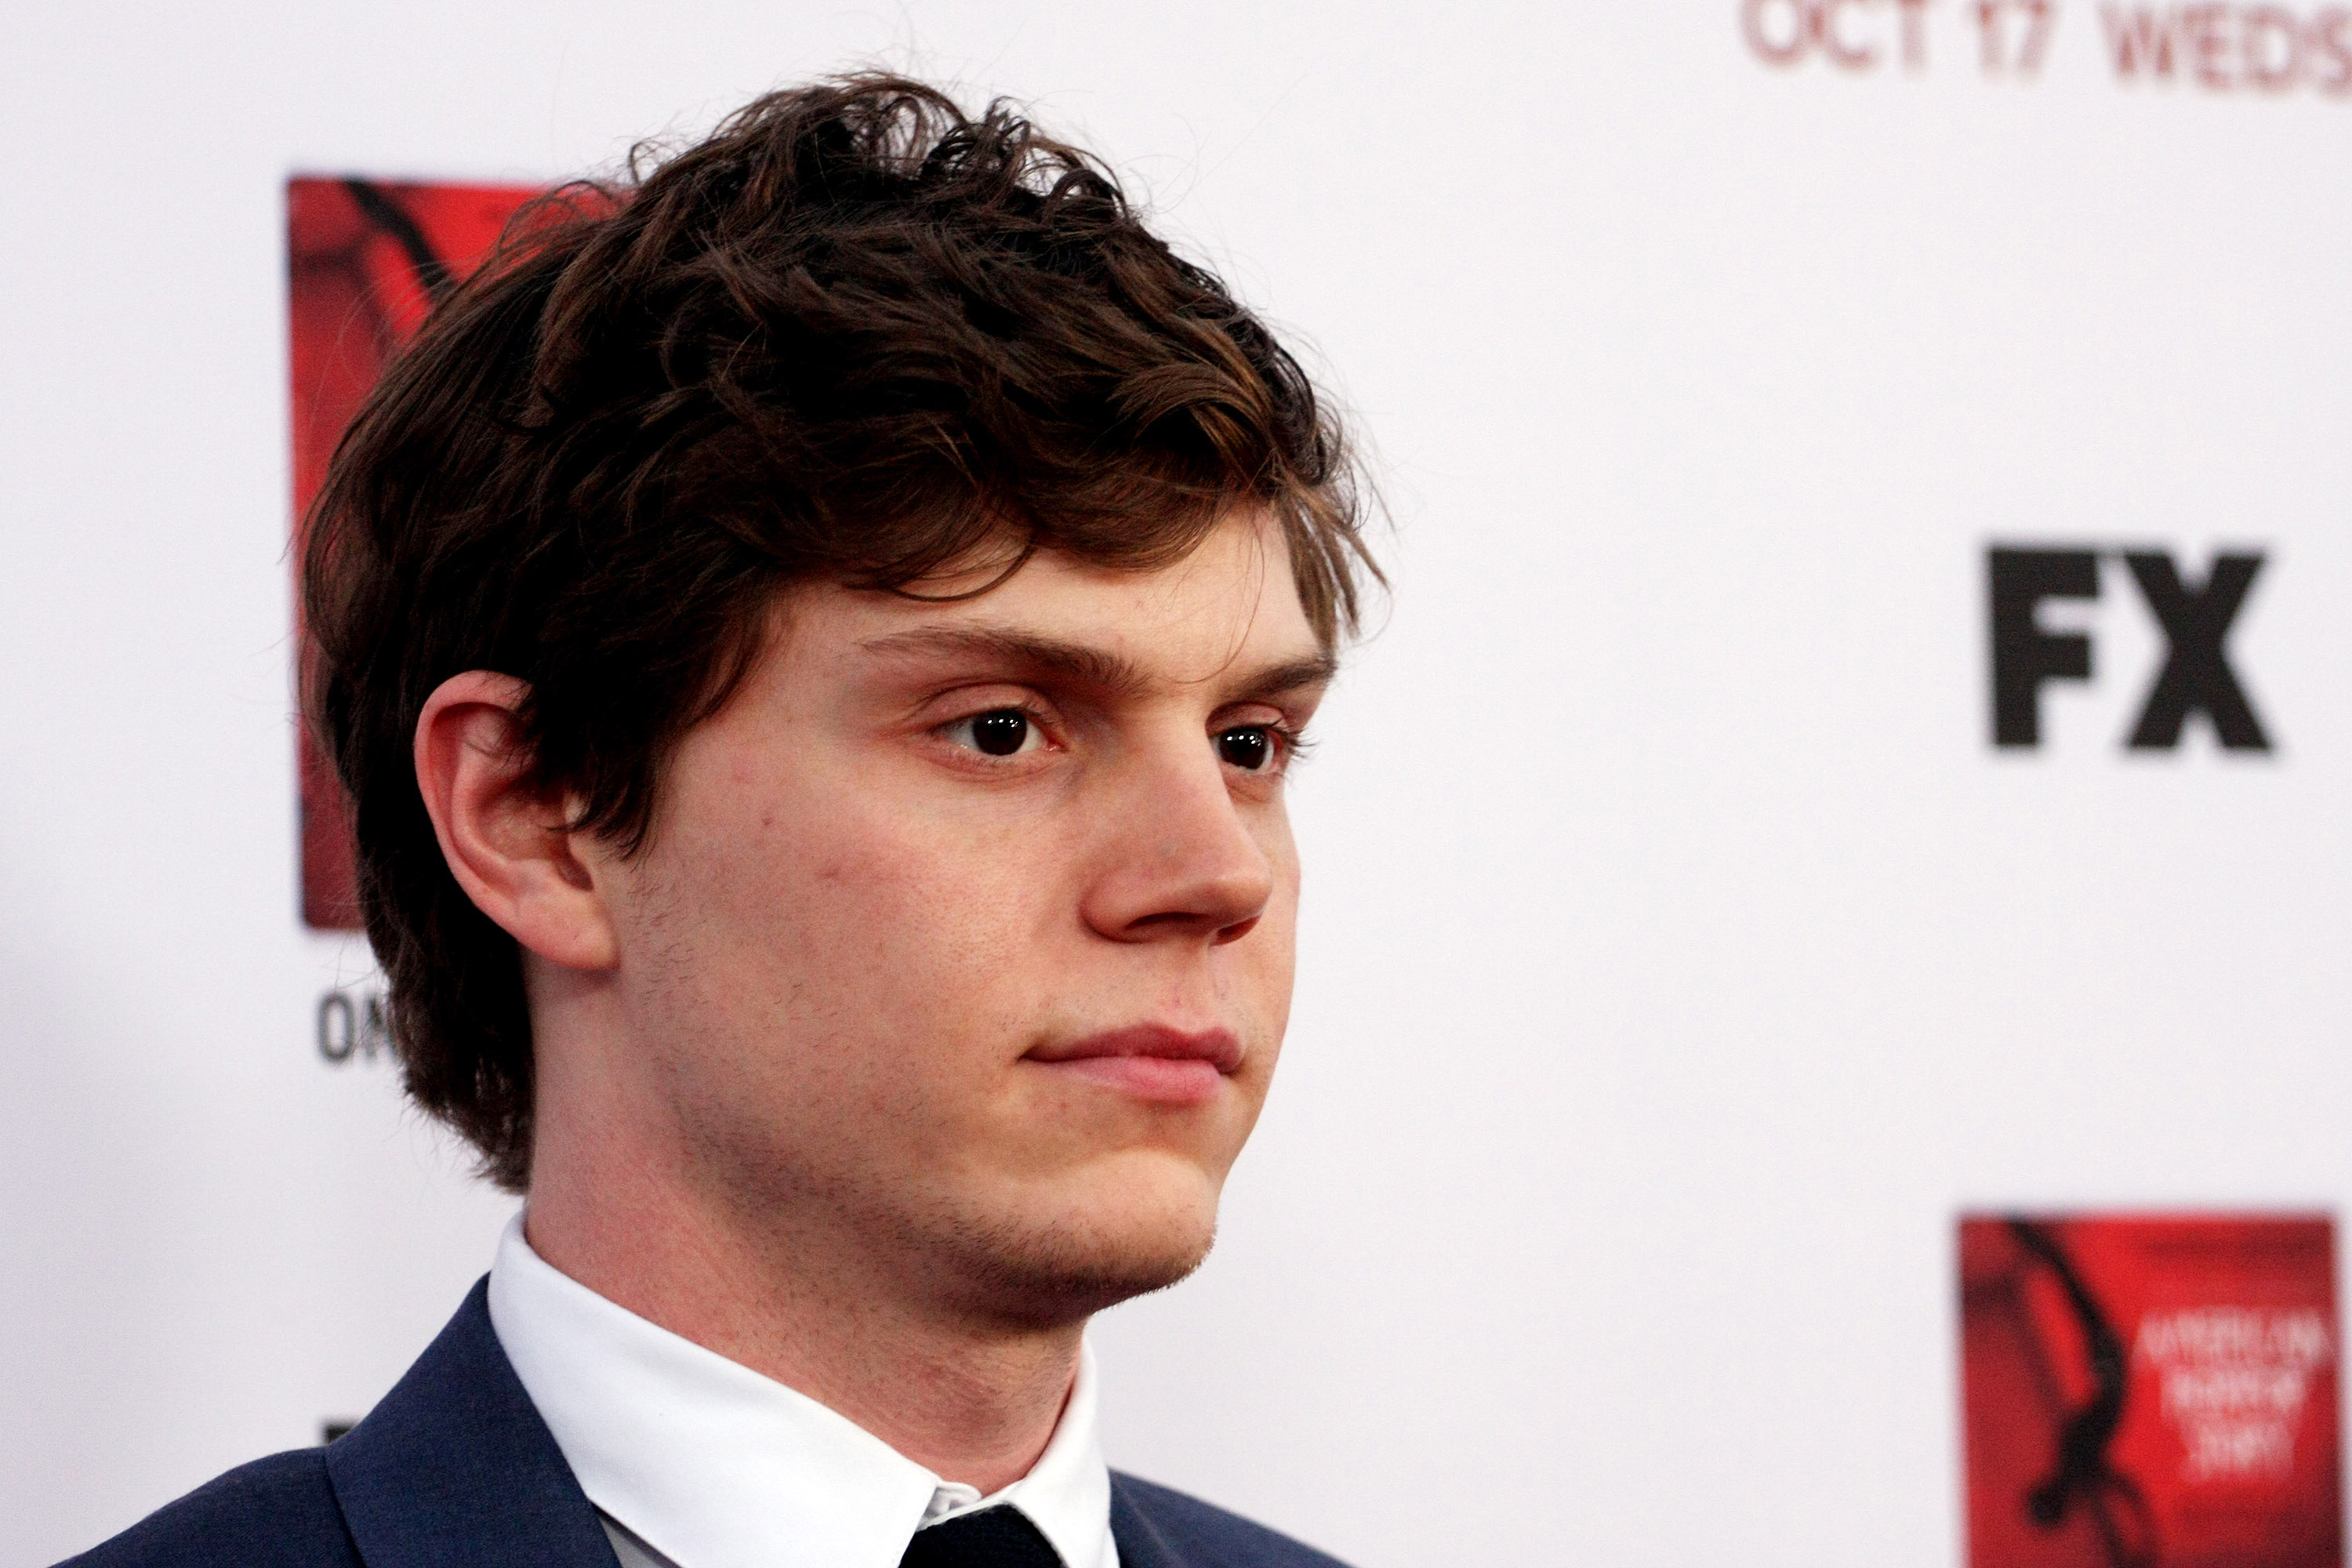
{"x": 1140, "y": 1544}
{"x": 456, "y": 1469}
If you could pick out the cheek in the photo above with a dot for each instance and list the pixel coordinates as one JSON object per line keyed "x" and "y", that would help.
{"x": 1274, "y": 941}
{"x": 842, "y": 921}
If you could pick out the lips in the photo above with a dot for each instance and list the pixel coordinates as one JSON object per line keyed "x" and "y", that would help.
{"x": 1149, "y": 1061}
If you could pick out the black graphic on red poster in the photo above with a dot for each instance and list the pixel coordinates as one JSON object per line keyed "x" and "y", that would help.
{"x": 2150, "y": 1390}
{"x": 366, "y": 260}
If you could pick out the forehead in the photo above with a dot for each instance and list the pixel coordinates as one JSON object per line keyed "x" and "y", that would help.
{"x": 1232, "y": 600}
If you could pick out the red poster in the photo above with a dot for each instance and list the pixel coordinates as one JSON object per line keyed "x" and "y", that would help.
{"x": 366, "y": 259}
{"x": 2150, "y": 1390}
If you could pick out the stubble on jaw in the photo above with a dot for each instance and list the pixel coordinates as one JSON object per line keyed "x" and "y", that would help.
{"x": 831, "y": 1219}
{"x": 838, "y": 1223}
{"x": 1031, "y": 1277}
{"x": 1018, "y": 1267}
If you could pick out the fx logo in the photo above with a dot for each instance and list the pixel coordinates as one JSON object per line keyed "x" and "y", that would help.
{"x": 2195, "y": 678}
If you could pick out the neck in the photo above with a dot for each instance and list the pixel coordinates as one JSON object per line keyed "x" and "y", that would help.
{"x": 787, "y": 1290}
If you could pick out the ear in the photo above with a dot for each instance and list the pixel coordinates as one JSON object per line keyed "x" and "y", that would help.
{"x": 508, "y": 841}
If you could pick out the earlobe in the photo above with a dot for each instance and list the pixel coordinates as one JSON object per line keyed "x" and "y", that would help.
{"x": 508, "y": 840}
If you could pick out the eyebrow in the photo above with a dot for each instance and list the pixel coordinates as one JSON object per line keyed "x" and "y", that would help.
{"x": 1093, "y": 666}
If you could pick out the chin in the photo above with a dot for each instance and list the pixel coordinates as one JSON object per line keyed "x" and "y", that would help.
{"x": 1063, "y": 1261}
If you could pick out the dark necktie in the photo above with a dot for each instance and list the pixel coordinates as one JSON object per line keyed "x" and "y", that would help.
{"x": 999, "y": 1537}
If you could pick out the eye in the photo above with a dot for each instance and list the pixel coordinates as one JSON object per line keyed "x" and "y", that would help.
{"x": 998, "y": 732}
{"x": 1249, "y": 747}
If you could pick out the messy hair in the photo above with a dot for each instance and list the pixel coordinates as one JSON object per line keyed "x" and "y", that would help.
{"x": 854, "y": 334}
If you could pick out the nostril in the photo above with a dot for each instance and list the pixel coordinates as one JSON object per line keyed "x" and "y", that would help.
{"x": 1234, "y": 931}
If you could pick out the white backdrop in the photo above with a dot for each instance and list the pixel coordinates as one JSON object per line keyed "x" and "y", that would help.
{"x": 1679, "y": 954}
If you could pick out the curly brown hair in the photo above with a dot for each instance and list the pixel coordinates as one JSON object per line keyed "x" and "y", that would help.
{"x": 854, "y": 334}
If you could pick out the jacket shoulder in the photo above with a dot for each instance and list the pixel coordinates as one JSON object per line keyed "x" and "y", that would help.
{"x": 1155, "y": 1524}
{"x": 278, "y": 1512}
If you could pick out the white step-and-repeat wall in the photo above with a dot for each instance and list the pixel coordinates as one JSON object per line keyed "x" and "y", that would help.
{"x": 1863, "y": 734}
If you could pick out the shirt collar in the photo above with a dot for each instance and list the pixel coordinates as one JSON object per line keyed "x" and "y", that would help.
{"x": 714, "y": 1466}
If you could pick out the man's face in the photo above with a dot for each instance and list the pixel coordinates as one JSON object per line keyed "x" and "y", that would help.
{"x": 965, "y": 934}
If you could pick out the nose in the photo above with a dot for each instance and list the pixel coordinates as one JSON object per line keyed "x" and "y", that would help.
{"x": 1179, "y": 859}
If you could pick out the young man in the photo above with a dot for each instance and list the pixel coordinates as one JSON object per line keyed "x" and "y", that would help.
{"x": 814, "y": 640}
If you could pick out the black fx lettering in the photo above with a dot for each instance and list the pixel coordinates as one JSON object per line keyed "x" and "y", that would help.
{"x": 2196, "y": 676}
{"x": 2023, "y": 654}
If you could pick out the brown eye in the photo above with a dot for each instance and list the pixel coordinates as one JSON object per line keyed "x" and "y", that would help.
{"x": 1249, "y": 748}
{"x": 998, "y": 732}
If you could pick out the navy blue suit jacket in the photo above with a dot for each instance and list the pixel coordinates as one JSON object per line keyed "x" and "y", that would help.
{"x": 455, "y": 1470}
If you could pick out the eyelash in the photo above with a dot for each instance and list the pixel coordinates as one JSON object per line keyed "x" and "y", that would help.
{"x": 1291, "y": 743}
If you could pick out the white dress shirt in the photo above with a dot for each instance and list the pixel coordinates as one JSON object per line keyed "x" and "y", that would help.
{"x": 696, "y": 1461}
